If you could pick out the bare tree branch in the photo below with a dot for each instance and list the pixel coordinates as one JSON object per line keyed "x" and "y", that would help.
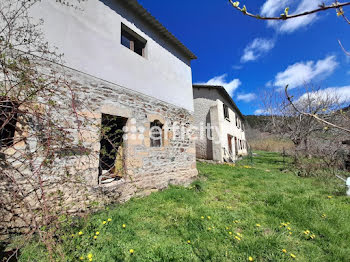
{"x": 344, "y": 50}
{"x": 312, "y": 115}
{"x": 285, "y": 16}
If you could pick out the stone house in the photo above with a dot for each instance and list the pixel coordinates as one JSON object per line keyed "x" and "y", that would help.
{"x": 132, "y": 75}
{"x": 220, "y": 125}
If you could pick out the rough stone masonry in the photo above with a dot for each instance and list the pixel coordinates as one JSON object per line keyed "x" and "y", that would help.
{"x": 147, "y": 169}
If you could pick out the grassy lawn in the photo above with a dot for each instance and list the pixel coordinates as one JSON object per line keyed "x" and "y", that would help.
{"x": 229, "y": 214}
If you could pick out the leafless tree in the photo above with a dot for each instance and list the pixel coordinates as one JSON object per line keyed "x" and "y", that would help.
{"x": 289, "y": 121}
{"x": 330, "y": 100}
{"x": 312, "y": 136}
{"x": 42, "y": 127}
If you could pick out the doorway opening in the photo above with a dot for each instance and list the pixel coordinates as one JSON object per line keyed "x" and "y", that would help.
{"x": 229, "y": 139}
{"x": 236, "y": 146}
{"x": 112, "y": 166}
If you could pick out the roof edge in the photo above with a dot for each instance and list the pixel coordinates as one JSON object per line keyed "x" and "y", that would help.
{"x": 135, "y": 6}
{"x": 224, "y": 93}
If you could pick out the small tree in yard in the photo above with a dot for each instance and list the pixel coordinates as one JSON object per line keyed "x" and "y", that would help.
{"x": 35, "y": 134}
{"x": 309, "y": 135}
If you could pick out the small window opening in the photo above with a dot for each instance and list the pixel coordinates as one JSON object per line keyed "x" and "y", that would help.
{"x": 133, "y": 41}
{"x": 156, "y": 133}
{"x": 111, "y": 165}
{"x": 226, "y": 114}
{"x": 8, "y": 121}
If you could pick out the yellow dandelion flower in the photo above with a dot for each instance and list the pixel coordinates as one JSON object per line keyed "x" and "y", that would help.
{"x": 73, "y": 235}
{"x": 90, "y": 259}
{"x": 131, "y": 251}
{"x": 209, "y": 228}
{"x": 209, "y": 217}
{"x": 202, "y": 217}
{"x": 290, "y": 233}
{"x": 104, "y": 222}
{"x": 189, "y": 241}
{"x": 80, "y": 233}
{"x": 330, "y": 197}
{"x": 95, "y": 237}
{"x": 239, "y": 234}
{"x": 89, "y": 256}
{"x": 227, "y": 228}
{"x": 324, "y": 216}
{"x": 97, "y": 233}
{"x": 238, "y": 238}
{"x": 81, "y": 258}
{"x": 284, "y": 250}
{"x": 306, "y": 232}
{"x": 124, "y": 226}
{"x": 312, "y": 236}
{"x": 292, "y": 255}
{"x": 109, "y": 219}
{"x": 230, "y": 233}
{"x": 258, "y": 225}
{"x": 289, "y": 228}
{"x": 251, "y": 259}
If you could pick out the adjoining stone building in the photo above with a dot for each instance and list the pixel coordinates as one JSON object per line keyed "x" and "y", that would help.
{"x": 220, "y": 125}
{"x": 131, "y": 74}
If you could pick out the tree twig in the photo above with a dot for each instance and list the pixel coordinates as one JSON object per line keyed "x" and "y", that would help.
{"x": 290, "y": 100}
{"x": 286, "y": 16}
{"x": 344, "y": 50}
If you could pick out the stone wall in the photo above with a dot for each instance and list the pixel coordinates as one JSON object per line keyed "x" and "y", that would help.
{"x": 147, "y": 169}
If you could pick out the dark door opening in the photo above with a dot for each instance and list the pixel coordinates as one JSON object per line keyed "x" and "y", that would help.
{"x": 8, "y": 121}
{"x": 111, "y": 165}
{"x": 236, "y": 146}
{"x": 229, "y": 139}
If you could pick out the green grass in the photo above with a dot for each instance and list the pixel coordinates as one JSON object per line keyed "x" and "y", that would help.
{"x": 158, "y": 227}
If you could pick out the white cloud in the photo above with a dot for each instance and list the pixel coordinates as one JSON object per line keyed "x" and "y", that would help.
{"x": 237, "y": 67}
{"x": 257, "y": 48}
{"x": 339, "y": 94}
{"x": 259, "y": 112}
{"x": 299, "y": 73}
{"x": 230, "y": 86}
{"x": 291, "y": 25}
{"x": 246, "y": 97}
{"x": 273, "y": 7}
{"x": 276, "y": 7}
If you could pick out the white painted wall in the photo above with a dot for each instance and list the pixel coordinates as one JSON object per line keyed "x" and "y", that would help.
{"x": 90, "y": 41}
{"x": 228, "y": 127}
{"x": 210, "y": 101}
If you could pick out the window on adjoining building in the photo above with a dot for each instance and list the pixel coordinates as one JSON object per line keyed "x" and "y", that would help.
{"x": 8, "y": 121}
{"x": 133, "y": 41}
{"x": 156, "y": 133}
{"x": 226, "y": 113}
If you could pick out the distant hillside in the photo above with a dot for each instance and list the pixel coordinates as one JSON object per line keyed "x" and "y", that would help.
{"x": 263, "y": 123}
{"x": 257, "y": 122}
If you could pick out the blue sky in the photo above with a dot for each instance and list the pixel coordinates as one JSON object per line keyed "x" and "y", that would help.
{"x": 248, "y": 56}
